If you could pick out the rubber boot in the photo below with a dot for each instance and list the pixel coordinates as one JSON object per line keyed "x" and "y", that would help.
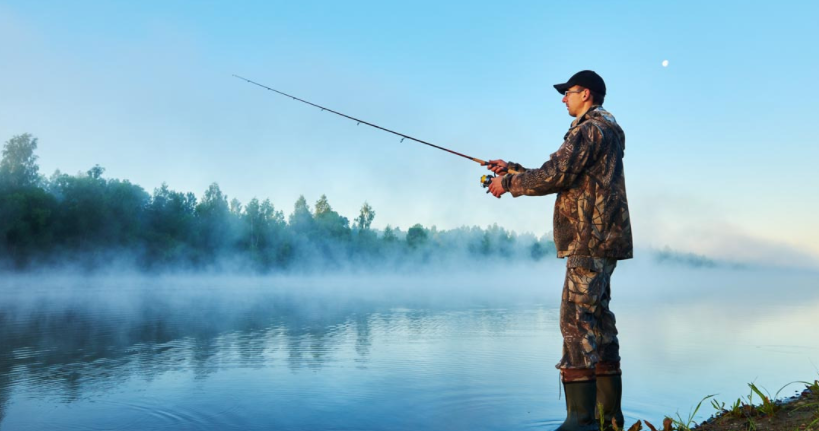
{"x": 580, "y": 400}
{"x": 609, "y": 396}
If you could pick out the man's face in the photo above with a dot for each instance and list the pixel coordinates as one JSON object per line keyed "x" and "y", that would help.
{"x": 573, "y": 98}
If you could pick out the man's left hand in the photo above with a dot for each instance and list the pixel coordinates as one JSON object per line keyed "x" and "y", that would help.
{"x": 496, "y": 188}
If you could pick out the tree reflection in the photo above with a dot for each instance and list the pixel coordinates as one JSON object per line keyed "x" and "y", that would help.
{"x": 53, "y": 347}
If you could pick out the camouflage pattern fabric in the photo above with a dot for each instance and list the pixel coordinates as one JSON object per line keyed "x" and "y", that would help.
{"x": 587, "y": 324}
{"x": 591, "y": 216}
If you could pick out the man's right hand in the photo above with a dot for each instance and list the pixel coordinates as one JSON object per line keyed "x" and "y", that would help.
{"x": 496, "y": 166}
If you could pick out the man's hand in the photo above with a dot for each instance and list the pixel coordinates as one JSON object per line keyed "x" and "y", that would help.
{"x": 496, "y": 188}
{"x": 496, "y": 166}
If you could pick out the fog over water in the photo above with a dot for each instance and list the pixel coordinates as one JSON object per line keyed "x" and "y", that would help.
{"x": 182, "y": 250}
{"x": 448, "y": 349}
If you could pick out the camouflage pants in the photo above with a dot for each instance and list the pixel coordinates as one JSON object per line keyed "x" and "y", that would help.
{"x": 587, "y": 324}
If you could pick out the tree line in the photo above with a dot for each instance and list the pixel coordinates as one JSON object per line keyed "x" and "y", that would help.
{"x": 88, "y": 219}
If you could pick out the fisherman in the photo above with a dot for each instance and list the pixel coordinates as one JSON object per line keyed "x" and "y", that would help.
{"x": 592, "y": 229}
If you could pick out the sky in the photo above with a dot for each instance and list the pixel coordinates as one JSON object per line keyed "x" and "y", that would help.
{"x": 721, "y": 144}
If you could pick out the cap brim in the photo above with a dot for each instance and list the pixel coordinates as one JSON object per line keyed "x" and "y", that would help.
{"x": 561, "y": 88}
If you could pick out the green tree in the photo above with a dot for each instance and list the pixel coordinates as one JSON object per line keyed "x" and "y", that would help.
{"x": 537, "y": 251}
{"x": 254, "y": 222}
{"x": 214, "y": 227}
{"x": 26, "y": 223}
{"x": 329, "y": 223}
{"x": 265, "y": 235}
{"x": 301, "y": 220}
{"x": 486, "y": 244}
{"x": 81, "y": 211}
{"x": 366, "y": 239}
{"x": 170, "y": 223}
{"x": 18, "y": 168}
{"x": 94, "y": 212}
{"x": 235, "y": 207}
{"x": 416, "y": 236}
{"x": 214, "y": 202}
{"x": 501, "y": 241}
{"x": 365, "y": 217}
{"x": 322, "y": 206}
{"x": 278, "y": 245}
{"x": 262, "y": 222}
{"x": 389, "y": 235}
{"x": 96, "y": 172}
{"x": 276, "y": 218}
{"x": 125, "y": 206}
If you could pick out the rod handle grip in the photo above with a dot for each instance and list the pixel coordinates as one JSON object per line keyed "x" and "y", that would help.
{"x": 508, "y": 171}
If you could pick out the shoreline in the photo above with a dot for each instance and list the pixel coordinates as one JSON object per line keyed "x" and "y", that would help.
{"x": 758, "y": 411}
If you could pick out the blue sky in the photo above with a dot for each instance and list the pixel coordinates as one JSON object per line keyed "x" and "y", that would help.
{"x": 721, "y": 144}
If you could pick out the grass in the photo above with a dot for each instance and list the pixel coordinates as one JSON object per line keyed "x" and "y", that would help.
{"x": 767, "y": 407}
{"x": 800, "y": 413}
{"x": 756, "y": 411}
{"x": 686, "y": 425}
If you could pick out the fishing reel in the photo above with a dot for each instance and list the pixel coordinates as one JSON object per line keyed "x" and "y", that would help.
{"x": 486, "y": 180}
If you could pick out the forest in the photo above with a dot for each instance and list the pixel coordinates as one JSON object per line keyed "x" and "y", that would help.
{"x": 91, "y": 221}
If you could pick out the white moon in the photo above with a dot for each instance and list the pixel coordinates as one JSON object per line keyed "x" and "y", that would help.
{"x": 665, "y": 63}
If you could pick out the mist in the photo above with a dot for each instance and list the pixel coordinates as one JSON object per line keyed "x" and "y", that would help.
{"x": 239, "y": 261}
{"x": 87, "y": 222}
{"x": 112, "y": 295}
{"x": 85, "y": 340}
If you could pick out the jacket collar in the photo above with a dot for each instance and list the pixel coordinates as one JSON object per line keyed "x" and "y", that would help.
{"x": 585, "y": 115}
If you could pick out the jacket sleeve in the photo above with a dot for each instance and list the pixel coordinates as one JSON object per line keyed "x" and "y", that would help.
{"x": 515, "y": 166}
{"x": 562, "y": 168}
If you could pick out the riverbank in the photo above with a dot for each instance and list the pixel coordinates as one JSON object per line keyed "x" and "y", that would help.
{"x": 799, "y": 412}
{"x": 757, "y": 411}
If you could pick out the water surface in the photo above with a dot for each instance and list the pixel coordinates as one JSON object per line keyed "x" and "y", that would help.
{"x": 378, "y": 352}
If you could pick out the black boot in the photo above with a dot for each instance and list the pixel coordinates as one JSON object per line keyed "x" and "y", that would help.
{"x": 609, "y": 395}
{"x": 580, "y": 400}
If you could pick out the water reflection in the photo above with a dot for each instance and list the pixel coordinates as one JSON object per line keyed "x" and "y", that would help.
{"x": 75, "y": 344}
{"x": 217, "y": 354}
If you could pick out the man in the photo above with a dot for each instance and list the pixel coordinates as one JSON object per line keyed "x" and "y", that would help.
{"x": 592, "y": 230}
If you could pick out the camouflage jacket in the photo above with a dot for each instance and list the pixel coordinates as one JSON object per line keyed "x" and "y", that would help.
{"x": 591, "y": 218}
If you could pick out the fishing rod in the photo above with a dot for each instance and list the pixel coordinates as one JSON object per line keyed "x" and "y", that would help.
{"x": 485, "y": 180}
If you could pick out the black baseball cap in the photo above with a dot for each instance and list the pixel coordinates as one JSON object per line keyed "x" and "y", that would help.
{"x": 586, "y": 79}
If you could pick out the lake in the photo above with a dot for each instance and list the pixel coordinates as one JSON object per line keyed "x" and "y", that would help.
{"x": 455, "y": 350}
